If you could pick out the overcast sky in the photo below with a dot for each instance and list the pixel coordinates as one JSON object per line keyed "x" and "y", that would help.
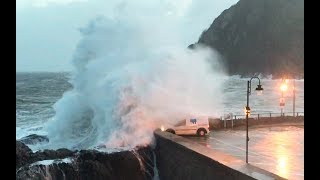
{"x": 48, "y": 30}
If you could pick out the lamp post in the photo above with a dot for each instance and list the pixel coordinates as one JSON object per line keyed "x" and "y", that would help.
{"x": 258, "y": 89}
{"x": 283, "y": 88}
{"x": 294, "y": 97}
{"x": 282, "y": 103}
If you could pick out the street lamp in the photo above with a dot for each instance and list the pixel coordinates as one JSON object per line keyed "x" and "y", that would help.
{"x": 259, "y": 89}
{"x": 294, "y": 97}
{"x": 283, "y": 88}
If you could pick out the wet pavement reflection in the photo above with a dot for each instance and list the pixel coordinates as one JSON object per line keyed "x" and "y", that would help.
{"x": 279, "y": 150}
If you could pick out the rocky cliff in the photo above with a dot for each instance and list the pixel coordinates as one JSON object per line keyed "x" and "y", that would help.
{"x": 260, "y": 36}
{"x": 84, "y": 164}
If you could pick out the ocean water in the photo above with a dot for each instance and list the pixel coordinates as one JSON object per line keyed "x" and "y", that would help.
{"x": 36, "y": 94}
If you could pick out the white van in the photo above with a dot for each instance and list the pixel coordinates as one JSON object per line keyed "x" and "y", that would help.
{"x": 192, "y": 126}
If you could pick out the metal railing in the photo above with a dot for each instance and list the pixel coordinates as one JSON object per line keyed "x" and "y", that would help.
{"x": 257, "y": 116}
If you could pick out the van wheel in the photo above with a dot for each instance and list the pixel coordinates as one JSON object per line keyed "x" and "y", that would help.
{"x": 201, "y": 132}
{"x": 171, "y": 131}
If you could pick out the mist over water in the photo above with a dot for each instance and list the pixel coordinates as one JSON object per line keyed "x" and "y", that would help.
{"x": 123, "y": 88}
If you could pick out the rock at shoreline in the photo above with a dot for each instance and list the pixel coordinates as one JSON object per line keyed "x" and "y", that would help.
{"x": 53, "y": 171}
{"x": 23, "y": 154}
{"x": 34, "y": 139}
{"x": 84, "y": 164}
{"x": 53, "y": 154}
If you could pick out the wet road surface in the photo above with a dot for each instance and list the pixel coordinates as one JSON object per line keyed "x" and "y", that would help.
{"x": 278, "y": 149}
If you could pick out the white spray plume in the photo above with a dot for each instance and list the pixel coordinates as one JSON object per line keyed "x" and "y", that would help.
{"x": 124, "y": 89}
